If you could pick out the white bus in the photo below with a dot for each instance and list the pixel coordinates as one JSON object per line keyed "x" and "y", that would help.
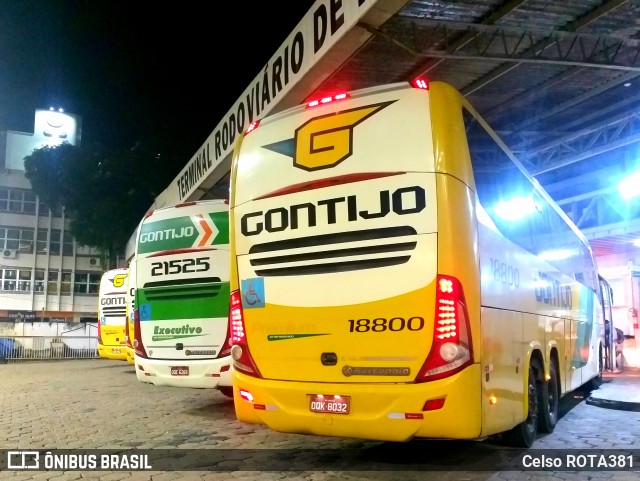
{"x": 181, "y": 300}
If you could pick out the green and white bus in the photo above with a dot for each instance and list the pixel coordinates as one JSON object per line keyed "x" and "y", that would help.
{"x": 182, "y": 297}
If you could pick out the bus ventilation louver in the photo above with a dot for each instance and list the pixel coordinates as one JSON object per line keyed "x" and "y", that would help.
{"x": 331, "y": 253}
{"x": 184, "y": 288}
{"x": 115, "y": 311}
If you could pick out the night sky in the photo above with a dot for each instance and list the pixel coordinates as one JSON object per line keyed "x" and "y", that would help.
{"x": 136, "y": 69}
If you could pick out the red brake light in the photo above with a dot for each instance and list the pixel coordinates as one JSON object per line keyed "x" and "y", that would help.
{"x": 127, "y": 337}
{"x": 138, "y": 347}
{"x": 242, "y": 360}
{"x": 327, "y": 100}
{"x": 451, "y": 349}
{"x": 226, "y": 346}
{"x": 420, "y": 83}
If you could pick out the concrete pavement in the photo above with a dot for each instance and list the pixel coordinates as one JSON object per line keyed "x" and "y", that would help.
{"x": 99, "y": 404}
{"x": 620, "y": 391}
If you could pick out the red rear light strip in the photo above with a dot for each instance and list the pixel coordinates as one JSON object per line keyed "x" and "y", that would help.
{"x": 244, "y": 362}
{"x": 451, "y": 331}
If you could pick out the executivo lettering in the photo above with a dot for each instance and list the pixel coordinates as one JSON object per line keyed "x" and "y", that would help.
{"x": 168, "y": 333}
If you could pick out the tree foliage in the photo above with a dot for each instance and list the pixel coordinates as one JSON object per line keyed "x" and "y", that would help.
{"x": 104, "y": 193}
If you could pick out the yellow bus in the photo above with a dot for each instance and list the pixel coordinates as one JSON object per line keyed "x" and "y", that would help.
{"x": 111, "y": 314}
{"x": 397, "y": 274}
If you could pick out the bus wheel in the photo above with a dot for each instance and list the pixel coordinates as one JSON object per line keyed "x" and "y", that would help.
{"x": 548, "y": 395}
{"x": 226, "y": 390}
{"x": 523, "y": 435}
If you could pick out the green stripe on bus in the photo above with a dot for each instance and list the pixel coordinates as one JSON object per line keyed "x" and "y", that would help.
{"x": 184, "y": 232}
{"x": 183, "y": 303}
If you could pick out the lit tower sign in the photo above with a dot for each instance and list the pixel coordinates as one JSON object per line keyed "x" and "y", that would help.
{"x": 51, "y": 127}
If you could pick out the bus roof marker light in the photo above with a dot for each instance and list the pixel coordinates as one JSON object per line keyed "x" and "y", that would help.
{"x": 327, "y": 100}
{"x": 252, "y": 126}
{"x": 629, "y": 187}
{"x": 420, "y": 83}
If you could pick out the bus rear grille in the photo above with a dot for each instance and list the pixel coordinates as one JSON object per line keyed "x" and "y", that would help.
{"x": 114, "y": 311}
{"x": 183, "y": 289}
{"x": 341, "y": 252}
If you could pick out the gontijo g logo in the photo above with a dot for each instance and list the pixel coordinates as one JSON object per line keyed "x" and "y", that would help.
{"x": 325, "y": 141}
{"x": 118, "y": 281}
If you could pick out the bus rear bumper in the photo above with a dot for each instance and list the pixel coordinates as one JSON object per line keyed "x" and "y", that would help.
{"x": 117, "y": 353}
{"x": 385, "y": 412}
{"x": 203, "y": 373}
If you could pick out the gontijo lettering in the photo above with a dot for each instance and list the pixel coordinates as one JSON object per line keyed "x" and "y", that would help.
{"x": 406, "y": 200}
{"x": 113, "y": 301}
{"x": 166, "y": 234}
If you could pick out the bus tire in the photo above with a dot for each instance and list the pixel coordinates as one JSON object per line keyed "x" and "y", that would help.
{"x": 548, "y": 397}
{"x": 226, "y": 390}
{"x": 523, "y": 435}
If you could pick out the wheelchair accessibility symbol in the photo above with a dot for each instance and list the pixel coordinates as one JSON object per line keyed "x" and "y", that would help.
{"x": 252, "y": 292}
{"x": 145, "y": 312}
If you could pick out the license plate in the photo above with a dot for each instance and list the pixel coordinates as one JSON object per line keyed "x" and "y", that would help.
{"x": 330, "y": 404}
{"x": 180, "y": 370}
{"x": 116, "y": 350}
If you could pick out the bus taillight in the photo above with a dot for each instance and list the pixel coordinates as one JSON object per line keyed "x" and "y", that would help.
{"x": 226, "y": 346}
{"x": 451, "y": 348}
{"x": 242, "y": 360}
{"x": 138, "y": 346}
{"x": 127, "y": 337}
{"x": 100, "y": 333}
